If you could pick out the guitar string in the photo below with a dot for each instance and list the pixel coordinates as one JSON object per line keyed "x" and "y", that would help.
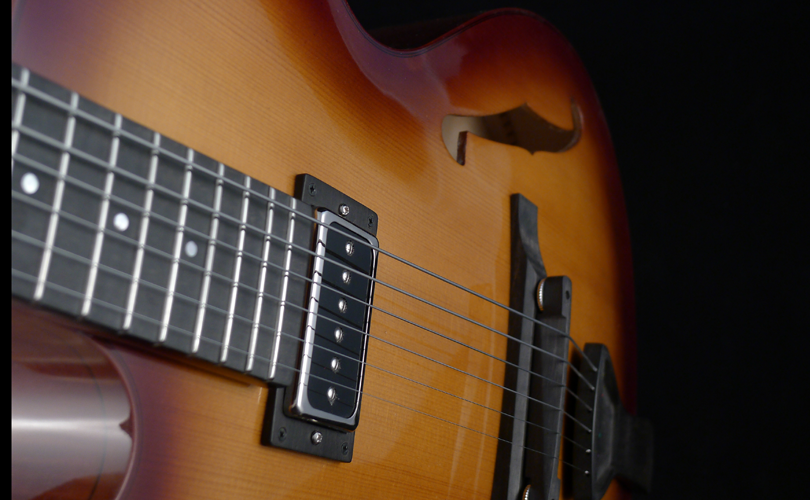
{"x": 67, "y": 253}
{"x": 297, "y": 247}
{"x": 33, "y": 164}
{"x": 66, "y": 214}
{"x": 394, "y": 288}
{"x": 168, "y": 154}
{"x": 44, "y": 168}
{"x": 55, "y": 102}
{"x": 181, "y": 331}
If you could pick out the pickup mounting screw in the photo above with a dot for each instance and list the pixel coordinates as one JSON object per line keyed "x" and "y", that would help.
{"x": 312, "y": 189}
{"x": 343, "y": 209}
{"x": 345, "y": 448}
{"x": 316, "y": 438}
{"x": 282, "y": 434}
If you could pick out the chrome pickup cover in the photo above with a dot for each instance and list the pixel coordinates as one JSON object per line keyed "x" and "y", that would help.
{"x": 335, "y": 337}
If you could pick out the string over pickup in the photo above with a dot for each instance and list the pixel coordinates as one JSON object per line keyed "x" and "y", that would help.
{"x": 333, "y": 353}
{"x": 317, "y": 414}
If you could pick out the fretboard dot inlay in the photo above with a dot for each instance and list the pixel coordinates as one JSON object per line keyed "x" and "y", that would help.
{"x": 29, "y": 183}
{"x": 121, "y": 221}
{"x": 191, "y": 248}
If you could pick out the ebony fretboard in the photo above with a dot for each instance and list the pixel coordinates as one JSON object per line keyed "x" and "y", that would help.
{"x": 114, "y": 223}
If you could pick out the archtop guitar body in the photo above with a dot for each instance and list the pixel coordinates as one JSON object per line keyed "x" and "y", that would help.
{"x": 275, "y": 89}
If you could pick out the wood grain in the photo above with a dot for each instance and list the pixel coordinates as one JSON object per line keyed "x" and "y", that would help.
{"x": 277, "y": 89}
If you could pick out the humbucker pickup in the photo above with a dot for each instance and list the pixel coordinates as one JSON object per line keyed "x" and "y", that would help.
{"x": 319, "y": 412}
{"x": 335, "y": 340}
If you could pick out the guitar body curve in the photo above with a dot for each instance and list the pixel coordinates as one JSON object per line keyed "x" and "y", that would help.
{"x": 73, "y": 421}
{"x": 277, "y": 89}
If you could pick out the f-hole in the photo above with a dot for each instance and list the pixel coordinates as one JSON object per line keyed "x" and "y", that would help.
{"x": 520, "y": 127}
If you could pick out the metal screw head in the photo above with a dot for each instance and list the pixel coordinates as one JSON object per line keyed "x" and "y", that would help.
{"x": 342, "y": 305}
{"x": 347, "y": 277}
{"x": 331, "y": 395}
{"x": 350, "y": 248}
{"x": 338, "y": 335}
{"x": 316, "y": 438}
{"x": 345, "y": 448}
{"x": 335, "y": 365}
{"x": 282, "y": 434}
{"x": 343, "y": 209}
{"x": 312, "y": 189}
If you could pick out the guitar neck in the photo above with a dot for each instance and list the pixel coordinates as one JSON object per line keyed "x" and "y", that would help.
{"x": 116, "y": 224}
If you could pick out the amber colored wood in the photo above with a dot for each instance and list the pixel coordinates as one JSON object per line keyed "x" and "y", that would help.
{"x": 281, "y": 88}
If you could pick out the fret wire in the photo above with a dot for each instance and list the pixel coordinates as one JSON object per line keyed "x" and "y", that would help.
{"x": 181, "y": 331}
{"x": 372, "y": 278}
{"x": 157, "y": 217}
{"x": 16, "y": 121}
{"x": 50, "y": 236}
{"x": 178, "y": 248}
{"x": 136, "y": 139}
{"x": 306, "y": 278}
{"x": 257, "y": 313}
{"x": 278, "y": 333}
{"x": 220, "y": 179}
{"x": 285, "y": 280}
{"x": 147, "y": 209}
{"x": 209, "y": 262}
{"x": 237, "y": 268}
{"x": 134, "y": 177}
{"x": 102, "y": 220}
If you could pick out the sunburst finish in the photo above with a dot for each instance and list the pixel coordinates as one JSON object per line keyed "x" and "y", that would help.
{"x": 276, "y": 89}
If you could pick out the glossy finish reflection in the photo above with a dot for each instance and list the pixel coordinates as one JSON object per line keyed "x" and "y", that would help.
{"x": 71, "y": 428}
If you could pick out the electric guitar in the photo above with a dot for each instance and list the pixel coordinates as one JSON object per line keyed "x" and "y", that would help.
{"x": 258, "y": 254}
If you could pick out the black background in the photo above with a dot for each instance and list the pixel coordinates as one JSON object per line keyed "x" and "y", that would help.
{"x": 707, "y": 109}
